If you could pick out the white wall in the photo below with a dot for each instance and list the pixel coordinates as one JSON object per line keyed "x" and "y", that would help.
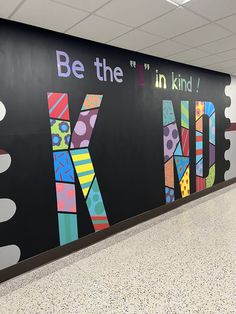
{"x": 230, "y": 113}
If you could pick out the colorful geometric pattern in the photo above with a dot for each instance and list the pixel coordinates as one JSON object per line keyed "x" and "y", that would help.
{"x": 66, "y": 201}
{"x": 84, "y": 168}
{"x": 199, "y": 109}
{"x": 176, "y": 151}
{"x": 74, "y": 157}
{"x": 96, "y": 207}
{"x": 199, "y": 168}
{"x": 211, "y": 177}
{"x": 199, "y": 125}
{"x": 199, "y": 146}
{"x": 91, "y": 102}
{"x": 181, "y": 165}
{"x": 184, "y": 114}
{"x": 212, "y": 154}
{"x": 83, "y": 129}
{"x": 61, "y": 133}
{"x": 200, "y": 184}
{"x": 171, "y": 140}
{"x": 58, "y": 106}
{"x": 168, "y": 112}
{"x": 63, "y": 167}
{"x": 169, "y": 173}
{"x": 212, "y": 129}
{"x": 208, "y": 109}
{"x": 170, "y": 195}
{"x": 68, "y": 227}
{"x": 185, "y": 141}
{"x": 185, "y": 184}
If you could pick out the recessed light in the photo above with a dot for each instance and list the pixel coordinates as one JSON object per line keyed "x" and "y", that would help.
{"x": 178, "y": 2}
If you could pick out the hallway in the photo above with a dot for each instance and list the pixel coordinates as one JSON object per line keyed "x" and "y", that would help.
{"x": 181, "y": 262}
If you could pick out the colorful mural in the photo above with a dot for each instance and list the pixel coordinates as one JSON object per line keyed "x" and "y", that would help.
{"x": 208, "y": 109}
{"x": 176, "y": 151}
{"x": 91, "y": 135}
{"x": 71, "y": 156}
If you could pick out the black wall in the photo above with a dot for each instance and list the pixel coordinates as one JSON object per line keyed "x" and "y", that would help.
{"x": 126, "y": 145}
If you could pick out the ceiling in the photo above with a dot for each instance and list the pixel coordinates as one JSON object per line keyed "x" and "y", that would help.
{"x": 200, "y": 32}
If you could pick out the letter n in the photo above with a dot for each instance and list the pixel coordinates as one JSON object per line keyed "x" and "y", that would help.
{"x": 207, "y": 109}
{"x": 176, "y": 151}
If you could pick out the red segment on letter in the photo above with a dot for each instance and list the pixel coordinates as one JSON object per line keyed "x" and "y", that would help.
{"x": 200, "y": 184}
{"x": 58, "y": 106}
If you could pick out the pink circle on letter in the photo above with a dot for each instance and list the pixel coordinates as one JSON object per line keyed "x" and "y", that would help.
{"x": 80, "y": 128}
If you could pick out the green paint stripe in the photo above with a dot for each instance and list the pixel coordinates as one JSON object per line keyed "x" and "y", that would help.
{"x": 185, "y": 112}
{"x": 86, "y": 185}
{"x": 185, "y": 124}
{"x": 82, "y": 162}
{"x": 98, "y": 222}
{"x": 75, "y": 152}
{"x": 184, "y": 118}
{"x": 82, "y": 151}
{"x": 61, "y": 229}
{"x": 184, "y": 103}
{"x": 85, "y": 173}
{"x": 67, "y": 228}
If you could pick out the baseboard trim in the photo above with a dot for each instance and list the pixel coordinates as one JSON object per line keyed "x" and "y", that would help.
{"x": 61, "y": 251}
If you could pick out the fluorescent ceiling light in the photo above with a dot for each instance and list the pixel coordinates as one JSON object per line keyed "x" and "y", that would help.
{"x": 178, "y": 2}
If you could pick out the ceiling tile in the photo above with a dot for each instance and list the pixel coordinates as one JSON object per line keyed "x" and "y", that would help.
{"x": 203, "y": 35}
{"x": 207, "y": 60}
{"x": 230, "y": 64}
{"x": 136, "y": 40}
{"x": 214, "y": 67}
{"x": 164, "y": 49}
{"x": 98, "y": 29}
{"x": 222, "y": 68}
{"x": 48, "y": 14}
{"x": 179, "y": 2}
{"x": 188, "y": 55}
{"x": 229, "y": 23}
{"x": 228, "y": 70}
{"x": 88, "y": 5}
{"x": 7, "y": 7}
{"x": 220, "y": 45}
{"x": 191, "y": 63}
{"x": 227, "y": 55}
{"x": 133, "y": 12}
{"x": 174, "y": 23}
{"x": 213, "y": 9}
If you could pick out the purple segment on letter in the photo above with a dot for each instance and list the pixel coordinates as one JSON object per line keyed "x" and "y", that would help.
{"x": 171, "y": 139}
{"x": 212, "y": 153}
{"x": 83, "y": 129}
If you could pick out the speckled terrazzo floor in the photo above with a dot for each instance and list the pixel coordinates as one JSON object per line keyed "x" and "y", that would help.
{"x": 181, "y": 262}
